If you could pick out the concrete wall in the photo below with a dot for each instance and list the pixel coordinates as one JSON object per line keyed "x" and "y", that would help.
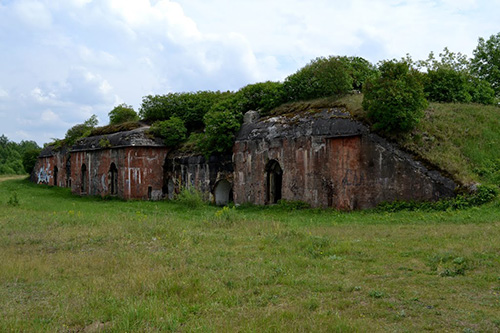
{"x": 348, "y": 172}
{"x": 194, "y": 171}
{"x": 139, "y": 173}
{"x": 45, "y": 169}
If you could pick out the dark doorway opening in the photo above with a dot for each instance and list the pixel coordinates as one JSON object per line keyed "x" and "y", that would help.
{"x": 83, "y": 184}
{"x": 274, "y": 180}
{"x": 56, "y": 171}
{"x": 223, "y": 192}
{"x": 113, "y": 179}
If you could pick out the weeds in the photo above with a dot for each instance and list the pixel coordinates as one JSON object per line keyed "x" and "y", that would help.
{"x": 13, "y": 200}
{"x": 190, "y": 197}
{"x": 224, "y": 217}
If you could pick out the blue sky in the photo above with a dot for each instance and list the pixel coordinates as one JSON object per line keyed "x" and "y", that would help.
{"x": 63, "y": 60}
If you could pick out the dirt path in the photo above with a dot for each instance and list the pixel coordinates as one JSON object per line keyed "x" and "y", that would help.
{"x": 3, "y": 178}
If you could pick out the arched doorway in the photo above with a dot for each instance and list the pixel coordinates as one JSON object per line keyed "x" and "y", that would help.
{"x": 274, "y": 179}
{"x": 223, "y": 192}
{"x": 83, "y": 183}
{"x": 56, "y": 171}
{"x": 113, "y": 179}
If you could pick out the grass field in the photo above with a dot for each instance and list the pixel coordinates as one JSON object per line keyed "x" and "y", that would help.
{"x": 71, "y": 264}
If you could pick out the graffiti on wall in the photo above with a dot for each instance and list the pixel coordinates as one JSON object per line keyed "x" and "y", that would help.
{"x": 43, "y": 176}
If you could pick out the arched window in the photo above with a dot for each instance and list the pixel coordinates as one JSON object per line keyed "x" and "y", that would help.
{"x": 274, "y": 179}
{"x": 113, "y": 179}
{"x": 55, "y": 175}
{"x": 223, "y": 192}
{"x": 84, "y": 179}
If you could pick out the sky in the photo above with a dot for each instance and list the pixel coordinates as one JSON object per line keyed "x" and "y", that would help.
{"x": 61, "y": 61}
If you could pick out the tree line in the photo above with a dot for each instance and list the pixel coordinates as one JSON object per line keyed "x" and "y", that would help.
{"x": 17, "y": 158}
{"x": 396, "y": 93}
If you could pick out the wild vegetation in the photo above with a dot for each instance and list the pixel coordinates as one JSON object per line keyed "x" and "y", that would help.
{"x": 17, "y": 158}
{"x": 71, "y": 264}
{"x": 396, "y": 93}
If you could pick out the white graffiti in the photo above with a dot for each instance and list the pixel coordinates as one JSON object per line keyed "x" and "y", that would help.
{"x": 43, "y": 176}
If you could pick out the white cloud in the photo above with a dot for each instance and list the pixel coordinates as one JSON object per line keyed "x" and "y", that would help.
{"x": 33, "y": 13}
{"x": 69, "y": 59}
{"x": 3, "y": 94}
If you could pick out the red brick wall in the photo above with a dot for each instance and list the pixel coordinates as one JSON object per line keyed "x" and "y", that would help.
{"x": 140, "y": 172}
{"x": 344, "y": 173}
{"x": 44, "y": 170}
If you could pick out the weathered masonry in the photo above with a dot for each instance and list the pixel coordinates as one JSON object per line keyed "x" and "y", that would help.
{"x": 327, "y": 160}
{"x": 324, "y": 158}
{"x": 126, "y": 164}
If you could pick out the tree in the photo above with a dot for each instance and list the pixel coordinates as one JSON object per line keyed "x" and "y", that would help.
{"x": 360, "y": 70}
{"x": 121, "y": 114}
{"x": 322, "y": 77}
{"x": 173, "y": 131}
{"x": 486, "y": 61}
{"x": 395, "y": 100}
{"x": 221, "y": 123}
{"x": 190, "y": 107}
{"x": 80, "y": 130}
{"x": 262, "y": 97}
{"x": 449, "y": 80}
{"x": 30, "y": 157}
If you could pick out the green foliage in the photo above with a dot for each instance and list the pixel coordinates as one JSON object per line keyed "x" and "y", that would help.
{"x": 360, "y": 70}
{"x": 224, "y": 217}
{"x": 449, "y": 264}
{"x": 484, "y": 194}
{"x": 104, "y": 143}
{"x": 190, "y": 107}
{"x": 293, "y": 205}
{"x": 80, "y": 130}
{"x": 172, "y": 131}
{"x": 110, "y": 129}
{"x": 262, "y": 97}
{"x": 395, "y": 100}
{"x": 221, "y": 123}
{"x": 449, "y": 80}
{"x": 486, "y": 61}
{"x": 13, "y": 200}
{"x": 190, "y": 197}
{"x": 12, "y": 156}
{"x": 322, "y": 77}
{"x": 30, "y": 157}
{"x": 121, "y": 114}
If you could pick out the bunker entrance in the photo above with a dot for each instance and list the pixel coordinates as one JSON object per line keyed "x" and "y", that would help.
{"x": 113, "y": 179}
{"x": 83, "y": 184}
{"x": 223, "y": 193}
{"x": 56, "y": 171}
{"x": 274, "y": 181}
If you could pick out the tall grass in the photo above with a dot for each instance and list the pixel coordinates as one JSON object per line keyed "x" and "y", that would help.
{"x": 71, "y": 263}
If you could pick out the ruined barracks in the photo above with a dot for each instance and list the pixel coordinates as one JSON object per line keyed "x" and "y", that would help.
{"x": 324, "y": 158}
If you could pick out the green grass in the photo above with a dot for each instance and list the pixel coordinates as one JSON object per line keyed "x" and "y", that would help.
{"x": 70, "y": 263}
{"x": 460, "y": 139}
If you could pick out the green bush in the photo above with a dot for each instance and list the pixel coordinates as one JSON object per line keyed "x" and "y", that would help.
{"x": 360, "y": 70}
{"x": 80, "y": 130}
{"x": 262, "y": 97}
{"x": 29, "y": 159}
{"x": 395, "y": 100}
{"x": 172, "y": 131}
{"x": 221, "y": 124}
{"x": 322, "y": 77}
{"x": 190, "y": 197}
{"x": 486, "y": 61}
{"x": 483, "y": 195}
{"x": 447, "y": 85}
{"x": 121, "y": 114}
{"x": 12, "y": 156}
{"x": 190, "y": 107}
